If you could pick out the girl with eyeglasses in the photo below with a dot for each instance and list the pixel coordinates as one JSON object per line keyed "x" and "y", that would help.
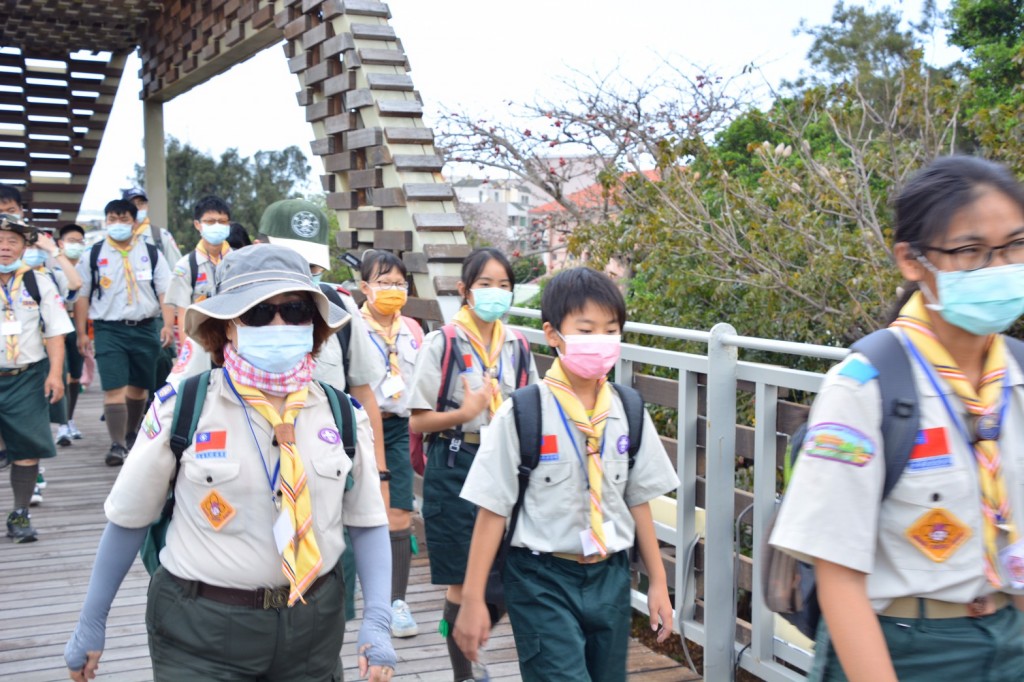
{"x": 924, "y": 583}
{"x": 463, "y": 374}
{"x": 249, "y": 585}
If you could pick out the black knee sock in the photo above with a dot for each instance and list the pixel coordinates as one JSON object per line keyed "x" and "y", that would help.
{"x": 135, "y": 408}
{"x": 23, "y": 483}
{"x": 72, "y": 394}
{"x": 401, "y": 558}
{"x": 461, "y": 667}
{"x": 116, "y": 416}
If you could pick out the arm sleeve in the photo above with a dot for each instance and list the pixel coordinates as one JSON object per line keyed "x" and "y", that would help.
{"x": 372, "y": 547}
{"x": 652, "y": 474}
{"x": 84, "y": 273}
{"x": 179, "y": 290}
{"x": 426, "y": 378}
{"x": 362, "y": 367}
{"x": 161, "y": 274}
{"x": 493, "y": 479}
{"x": 51, "y": 309}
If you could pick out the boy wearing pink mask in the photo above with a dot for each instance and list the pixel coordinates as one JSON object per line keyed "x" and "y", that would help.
{"x": 566, "y": 574}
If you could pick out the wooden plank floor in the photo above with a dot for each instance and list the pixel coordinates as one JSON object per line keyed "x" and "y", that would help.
{"x": 42, "y": 586}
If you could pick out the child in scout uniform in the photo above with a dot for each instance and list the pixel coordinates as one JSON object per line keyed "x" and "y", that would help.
{"x": 249, "y": 585}
{"x": 492, "y": 357}
{"x": 123, "y": 285}
{"x": 31, "y": 367}
{"x": 921, "y": 584}
{"x": 72, "y": 246}
{"x": 566, "y": 578}
{"x": 193, "y": 281}
{"x": 159, "y": 237}
{"x": 397, "y": 340}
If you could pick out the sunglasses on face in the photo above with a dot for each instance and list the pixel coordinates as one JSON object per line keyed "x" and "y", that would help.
{"x": 292, "y": 312}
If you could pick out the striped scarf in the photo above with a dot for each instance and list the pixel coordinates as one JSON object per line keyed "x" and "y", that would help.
{"x": 11, "y": 340}
{"x": 490, "y": 358}
{"x": 131, "y": 284}
{"x": 390, "y": 338}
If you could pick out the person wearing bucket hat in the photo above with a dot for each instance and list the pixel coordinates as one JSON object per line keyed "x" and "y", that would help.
{"x": 262, "y": 494}
{"x": 33, "y": 326}
{"x": 159, "y": 237}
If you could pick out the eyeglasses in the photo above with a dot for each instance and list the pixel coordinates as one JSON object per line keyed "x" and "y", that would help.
{"x": 292, "y": 312}
{"x": 978, "y": 256}
{"x": 384, "y": 286}
{"x": 209, "y": 222}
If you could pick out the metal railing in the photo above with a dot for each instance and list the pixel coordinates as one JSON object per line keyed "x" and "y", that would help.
{"x": 723, "y": 653}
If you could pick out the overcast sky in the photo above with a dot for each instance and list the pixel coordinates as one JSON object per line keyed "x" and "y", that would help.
{"x": 478, "y": 56}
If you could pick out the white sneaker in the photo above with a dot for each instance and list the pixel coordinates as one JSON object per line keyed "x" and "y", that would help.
{"x": 73, "y": 430}
{"x": 63, "y": 435}
{"x": 37, "y": 497}
{"x": 402, "y": 622}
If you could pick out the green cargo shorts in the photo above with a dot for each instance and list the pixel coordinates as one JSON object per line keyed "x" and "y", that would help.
{"x": 24, "y": 419}
{"x": 396, "y": 448}
{"x": 126, "y": 354}
{"x": 447, "y": 518}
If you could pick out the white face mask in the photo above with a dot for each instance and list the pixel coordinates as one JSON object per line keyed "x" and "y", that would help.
{"x": 142, "y": 214}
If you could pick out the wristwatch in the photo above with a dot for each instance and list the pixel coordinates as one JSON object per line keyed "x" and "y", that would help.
{"x": 385, "y": 475}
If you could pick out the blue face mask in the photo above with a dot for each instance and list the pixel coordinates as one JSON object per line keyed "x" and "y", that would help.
{"x": 8, "y": 269}
{"x": 120, "y": 232}
{"x": 216, "y": 234}
{"x": 982, "y": 302}
{"x": 491, "y": 303}
{"x": 317, "y": 277}
{"x": 275, "y": 348}
{"x": 33, "y": 257}
{"x": 141, "y": 215}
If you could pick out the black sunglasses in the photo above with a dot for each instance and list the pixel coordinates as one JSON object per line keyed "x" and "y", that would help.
{"x": 292, "y": 312}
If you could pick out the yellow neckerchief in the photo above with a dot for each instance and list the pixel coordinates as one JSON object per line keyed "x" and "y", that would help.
{"x": 141, "y": 229}
{"x": 916, "y": 324}
{"x": 225, "y": 248}
{"x": 491, "y": 358}
{"x": 593, "y": 428}
{"x": 11, "y": 340}
{"x": 130, "y": 283}
{"x": 390, "y": 337}
{"x": 301, "y": 560}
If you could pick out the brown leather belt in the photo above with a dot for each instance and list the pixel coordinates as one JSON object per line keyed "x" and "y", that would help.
{"x": 12, "y": 372}
{"x": 471, "y": 438}
{"x": 583, "y": 558}
{"x": 263, "y": 598}
{"x": 914, "y": 607}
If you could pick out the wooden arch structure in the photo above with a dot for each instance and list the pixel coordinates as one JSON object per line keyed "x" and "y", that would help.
{"x": 61, "y": 62}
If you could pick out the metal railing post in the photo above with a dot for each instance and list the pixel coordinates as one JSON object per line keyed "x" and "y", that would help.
{"x": 762, "y": 644}
{"x": 720, "y": 569}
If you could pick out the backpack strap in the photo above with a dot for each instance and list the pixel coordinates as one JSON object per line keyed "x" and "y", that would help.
{"x": 450, "y": 359}
{"x": 32, "y": 287}
{"x": 193, "y": 266}
{"x": 154, "y": 257}
{"x": 527, "y": 415}
{"x": 633, "y": 405}
{"x": 187, "y": 408}
{"x": 522, "y": 359}
{"x": 415, "y": 329}
{"x": 343, "y": 419}
{"x": 345, "y": 333}
{"x": 94, "y": 270}
{"x": 158, "y": 240}
{"x": 901, "y": 413}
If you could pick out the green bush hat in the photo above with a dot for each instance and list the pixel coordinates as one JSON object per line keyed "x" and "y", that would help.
{"x": 300, "y": 225}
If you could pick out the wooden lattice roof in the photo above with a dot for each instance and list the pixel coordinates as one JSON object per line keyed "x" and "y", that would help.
{"x": 48, "y": 28}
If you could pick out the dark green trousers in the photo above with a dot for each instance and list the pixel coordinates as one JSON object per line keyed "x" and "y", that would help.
{"x": 988, "y": 649}
{"x": 570, "y": 621}
{"x": 199, "y": 640}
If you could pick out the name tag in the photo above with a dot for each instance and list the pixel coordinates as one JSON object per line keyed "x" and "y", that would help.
{"x": 144, "y": 275}
{"x": 590, "y": 547}
{"x": 283, "y": 532}
{"x": 1012, "y": 558}
{"x": 392, "y": 385}
{"x": 10, "y": 327}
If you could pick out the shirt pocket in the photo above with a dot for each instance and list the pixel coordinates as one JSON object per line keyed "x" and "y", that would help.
{"x": 210, "y": 483}
{"x": 327, "y": 488}
{"x": 546, "y": 495}
{"x": 616, "y": 472}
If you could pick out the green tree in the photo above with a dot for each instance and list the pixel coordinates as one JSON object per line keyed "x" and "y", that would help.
{"x": 991, "y": 33}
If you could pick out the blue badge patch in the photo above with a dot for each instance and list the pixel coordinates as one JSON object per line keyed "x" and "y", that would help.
{"x": 355, "y": 403}
{"x": 839, "y": 443}
{"x": 165, "y": 393}
{"x": 622, "y": 444}
{"x": 858, "y": 370}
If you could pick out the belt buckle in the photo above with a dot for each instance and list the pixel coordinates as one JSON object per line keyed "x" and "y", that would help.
{"x": 978, "y": 608}
{"x": 131, "y": 323}
{"x": 455, "y": 445}
{"x": 275, "y": 598}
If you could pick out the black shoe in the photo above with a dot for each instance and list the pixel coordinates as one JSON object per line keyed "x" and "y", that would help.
{"x": 115, "y": 457}
{"x": 129, "y": 439}
{"x": 19, "y": 528}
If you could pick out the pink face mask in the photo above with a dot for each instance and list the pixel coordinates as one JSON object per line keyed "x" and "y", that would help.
{"x": 590, "y": 356}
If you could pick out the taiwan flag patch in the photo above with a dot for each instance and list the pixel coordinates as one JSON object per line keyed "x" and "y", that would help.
{"x": 549, "y": 449}
{"x": 102, "y": 262}
{"x": 468, "y": 360}
{"x": 931, "y": 451}
{"x": 211, "y": 444}
{"x": 201, "y": 278}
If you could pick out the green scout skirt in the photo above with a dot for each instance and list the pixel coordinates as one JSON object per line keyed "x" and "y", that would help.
{"x": 447, "y": 518}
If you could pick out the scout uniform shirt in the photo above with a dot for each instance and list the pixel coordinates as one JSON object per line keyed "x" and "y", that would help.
{"x": 925, "y": 539}
{"x": 224, "y": 512}
{"x": 110, "y": 303}
{"x": 33, "y": 321}
{"x": 557, "y": 506}
{"x": 426, "y": 381}
{"x": 362, "y": 368}
{"x": 408, "y": 348}
{"x": 168, "y": 247}
{"x": 180, "y": 292}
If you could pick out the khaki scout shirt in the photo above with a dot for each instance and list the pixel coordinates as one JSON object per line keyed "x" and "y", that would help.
{"x": 233, "y": 464}
{"x": 113, "y": 304}
{"x": 408, "y": 348}
{"x": 48, "y": 313}
{"x": 426, "y": 381}
{"x": 361, "y": 366}
{"x": 831, "y": 508}
{"x": 180, "y": 292}
{"x": 557, "y": 505}
{"x": 169, "y": 247}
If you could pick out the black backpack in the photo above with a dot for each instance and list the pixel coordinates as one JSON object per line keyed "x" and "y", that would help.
{"x": 788, "y": 584}
{"x": 96, "y": 291}
{"x": 187, "y": 408}
{"x": 345, "y": 333}
{"x": 528, "y": 419}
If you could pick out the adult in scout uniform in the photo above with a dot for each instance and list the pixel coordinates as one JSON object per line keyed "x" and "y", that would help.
{"x": 491, "y": 356}
{"x": 72, "y": 245}
{"x": 194, "y": 280}
{"x": 303, "y": 227}
{"x": 567, "y": 576}
{"x": 249, "y": 586}
{"x": 397, "y": 340}
{"x": 33, "y": 332}
{"x": 123, "y": 285}
{"x": 159, "y": 237}
{"x": 921, "y": 585}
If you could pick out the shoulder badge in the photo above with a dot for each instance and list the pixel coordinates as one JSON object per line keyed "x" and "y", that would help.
{"x": 858, "y": 370}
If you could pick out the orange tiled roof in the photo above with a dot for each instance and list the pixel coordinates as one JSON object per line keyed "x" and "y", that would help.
{"x": 590, "y": 196}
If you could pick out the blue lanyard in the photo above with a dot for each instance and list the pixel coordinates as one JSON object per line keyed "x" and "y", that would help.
{"x": 271, "y": 478}
{"x": 383, "y": 352}
{"x": 572, "y": 439}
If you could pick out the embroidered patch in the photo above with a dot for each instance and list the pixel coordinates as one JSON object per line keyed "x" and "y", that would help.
{"x": 549, "y": 449}
{"x": 329, "y": 436}
{"x": 931, "y": 451}
{"x": 201, "y": 278}
{"x": 145, "y": 259}
{"x": 179, "y": 271}
{"x": 105, "y": 282}
{"x": 184, "y": 356}
{"x": 211, "y": 445}
{"x": 938, "y": 534}
{"x": 415, "y": 344}
{"x": 151, "y": 424}
{"x": 217, "y": 510}
{"x": 858, "y": 370}
{"x": 165, "y": 393}
{"x": 102, "y": 262}
{"x": 305, "y": 224}
{"x": 622, "y": 444}
{"x": 839, "y": 443}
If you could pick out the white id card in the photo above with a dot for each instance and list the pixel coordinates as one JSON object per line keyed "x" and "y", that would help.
{"x": 392, "y": 385}
{"x": 284, "y": 532}
{"x": 144, "y": 275}
{"x": 10, "y": 327}
{"x": 590, "y": 547}
{"x": 1012, "y": 559}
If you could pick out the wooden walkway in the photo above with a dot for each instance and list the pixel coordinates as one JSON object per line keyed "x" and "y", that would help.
{"x": 42, "y": 586}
